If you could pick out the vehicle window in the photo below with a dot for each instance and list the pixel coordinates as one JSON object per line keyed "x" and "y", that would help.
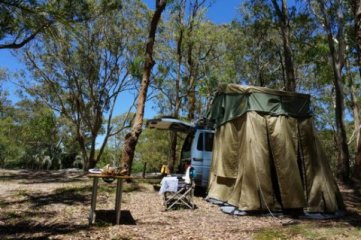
{"x": 208, "y": 141}
{"x": 187, "y": 145}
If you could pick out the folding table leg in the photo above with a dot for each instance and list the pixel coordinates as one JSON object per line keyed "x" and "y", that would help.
{"x": 118, "y": 200}
{"x": 93, "y": 200}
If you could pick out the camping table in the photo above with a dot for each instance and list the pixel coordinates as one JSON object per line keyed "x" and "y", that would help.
{"x": 118, "y": 195}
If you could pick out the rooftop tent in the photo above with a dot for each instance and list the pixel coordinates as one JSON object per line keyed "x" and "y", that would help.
{"x": 266, "y": 154}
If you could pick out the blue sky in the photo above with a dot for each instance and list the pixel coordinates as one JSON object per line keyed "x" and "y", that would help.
{"x": 223, "y": 11}
{"x": 220, "y": 12}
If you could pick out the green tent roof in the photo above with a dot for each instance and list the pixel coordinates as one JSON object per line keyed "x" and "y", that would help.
{"x": 232, "y": 101}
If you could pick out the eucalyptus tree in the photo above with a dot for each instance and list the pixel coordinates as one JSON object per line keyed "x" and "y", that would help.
{"x": 261, "y": 60}
{"x": 331, "y": 15}
{"x": 153, "y": 149}
{"x": 83, "y": 72}
{"x": 168, "y": 78}
{"x": 216, "y": 48}
{"x": 276, "y": 40}
{"x": 182, "y": 48}
{"x": 37, "y": 131}
{"x": 131, "y": 139}
{"x": 24, "y": 20}
{"x": 194, "y": 16}
{"x": 122, "y": 122}
{"x": 3, "y": 93}
{"x": 10, "y": 147}
{"x": 282, "y": 12}
{"x": 189, "y": 39}
{"x": 28, "y": 135}
{"x": 356, "y": 10}
{"x": 195, "y": 52}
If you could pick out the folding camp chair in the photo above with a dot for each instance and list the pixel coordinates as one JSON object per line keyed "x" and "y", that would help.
{"x": 178, "y": 193}
{"x": 183, "y": 197}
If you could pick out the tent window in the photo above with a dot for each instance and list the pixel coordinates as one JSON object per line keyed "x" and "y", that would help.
{"x": 208, "y": 142}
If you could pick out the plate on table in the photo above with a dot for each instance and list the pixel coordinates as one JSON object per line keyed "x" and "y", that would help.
{"x": 95, "y": 170}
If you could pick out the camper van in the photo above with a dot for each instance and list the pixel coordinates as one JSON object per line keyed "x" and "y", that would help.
{"x": 197, "y": 146}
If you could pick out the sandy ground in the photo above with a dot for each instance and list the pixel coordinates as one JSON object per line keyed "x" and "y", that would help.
{"x": 55, "y": 205}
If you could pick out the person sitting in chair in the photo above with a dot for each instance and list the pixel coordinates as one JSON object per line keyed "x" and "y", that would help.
{"x": 190, "y": 172}
{"x": 164, "y": 171}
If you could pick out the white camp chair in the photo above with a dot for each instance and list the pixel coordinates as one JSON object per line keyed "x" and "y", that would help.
{"x": 177, "y": 192}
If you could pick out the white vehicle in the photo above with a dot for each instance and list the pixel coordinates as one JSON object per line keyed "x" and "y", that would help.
{"x": 197, "y": 146}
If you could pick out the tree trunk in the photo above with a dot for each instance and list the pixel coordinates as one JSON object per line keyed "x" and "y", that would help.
{"x": 338, "y": 61}
{"x": 192, "y": 65}
{"x": 283, "y": 19}
{"x": 284, "y": 78}
{"x": 191, "y": 98}
{"x": 191, "y": 77}
{"x": 173, "y": 136}
{"x": 357, "y": 168}
{"x": 81, "y": 141}
{"x": 357, "y": 128}
{"x": 173, "y": 151}
{"x": 144, "y": 170}
{"x": 92, "y": 161}
{"x": 356, "y": 5}
{"x": 131, "y": 139}
{"x": 343, "y": 166}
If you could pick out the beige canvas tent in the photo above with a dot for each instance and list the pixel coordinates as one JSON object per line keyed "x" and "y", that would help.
{"x": 266, "y": 154}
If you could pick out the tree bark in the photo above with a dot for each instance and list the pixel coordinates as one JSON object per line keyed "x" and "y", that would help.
{"x": 191, "y": 80}
{"x": 357, "y": 128}
{"x": 357, "y": 168}
{"x": 144, "y": 170}
{"x": 356, "y": 6}
{"x": 81, "y": 141}
{"x": 192, "y": 65}
{"x": 92, "y": 160}
{"x": 283, "y": 19}
{"x": 338, "y": 62}
{"x": 131, "y": 139}
{"x": 173, "y": 136}
{"x": 173, "y": 151}
{"x": 343, "y": 165}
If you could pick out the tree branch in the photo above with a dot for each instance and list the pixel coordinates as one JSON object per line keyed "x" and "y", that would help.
{"x": 15, "y": 45}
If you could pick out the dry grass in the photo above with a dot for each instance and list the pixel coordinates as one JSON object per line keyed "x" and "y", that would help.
{"x": 55, "y": 205}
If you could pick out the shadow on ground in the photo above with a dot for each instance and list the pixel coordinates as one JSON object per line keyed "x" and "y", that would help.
{"x": 68, "y": 196}
{"x": 352, "y": 198}
{"x": 31, "y": 176}
{"x": 30, "y": 230}
{"x": 108, "y": 217}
